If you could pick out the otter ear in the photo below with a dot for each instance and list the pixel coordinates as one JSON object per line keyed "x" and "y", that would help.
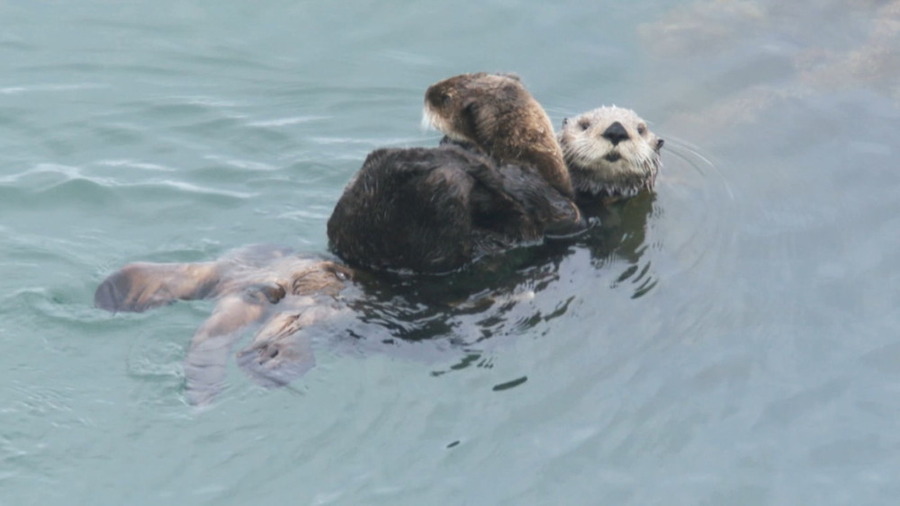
{"x": 469, "y": 116}
{"x": 565, "y": 122}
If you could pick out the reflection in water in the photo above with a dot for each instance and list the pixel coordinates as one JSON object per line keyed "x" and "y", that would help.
{"x": 496, "y": 297}
{"x": 621, "y": 234}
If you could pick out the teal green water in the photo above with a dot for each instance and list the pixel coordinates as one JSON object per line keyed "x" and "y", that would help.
{"x": 734, "y": 341}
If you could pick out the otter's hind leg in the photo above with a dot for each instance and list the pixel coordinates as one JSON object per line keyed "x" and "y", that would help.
{"x": 206, "y": 361}
{"x": 281, "y": 351}
{"x": 142, "y": 285}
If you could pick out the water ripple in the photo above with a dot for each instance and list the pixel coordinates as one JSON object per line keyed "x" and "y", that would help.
{"x": 33, "y": 88}
{"x": 63, "y": 181}
{"x": 288, "y": 121}
{"x": 133, "y": 164}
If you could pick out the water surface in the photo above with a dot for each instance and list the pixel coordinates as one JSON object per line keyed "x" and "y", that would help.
{"x": 730, "y": 340}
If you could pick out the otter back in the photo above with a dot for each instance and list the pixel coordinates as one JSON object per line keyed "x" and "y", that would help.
{"x": 434, "y": 210}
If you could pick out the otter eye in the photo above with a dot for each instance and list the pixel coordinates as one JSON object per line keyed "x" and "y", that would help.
{"x": 445, "y": 98}
{"x": 584, "y": 124}
{"x": 642, "y": 129}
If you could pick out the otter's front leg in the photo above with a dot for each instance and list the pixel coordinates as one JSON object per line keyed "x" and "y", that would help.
{"x": 521, "y": 204}
{"x": 142, "y": 285}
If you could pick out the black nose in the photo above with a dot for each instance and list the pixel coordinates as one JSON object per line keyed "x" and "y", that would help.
{"x": 616, "y": 133}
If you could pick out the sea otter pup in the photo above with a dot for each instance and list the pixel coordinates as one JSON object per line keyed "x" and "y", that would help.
{"x": 498, "y": 181}
{"x": 284, "y": 292}
{"x": 496, "y": 114}
{"x": 610, "y": 154}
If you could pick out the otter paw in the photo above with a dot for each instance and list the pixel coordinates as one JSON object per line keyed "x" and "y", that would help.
{"x": 277, "y": 362}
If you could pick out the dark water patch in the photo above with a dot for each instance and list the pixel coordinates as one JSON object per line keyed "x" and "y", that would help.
{"x": 15, "y": 43}
{"x": 510, "y": 384}
{"x": 14, "y": 117}
{"x": 222, "y": 57}
{"x": 119, "y": 134}
{"x": 468, "y": 360}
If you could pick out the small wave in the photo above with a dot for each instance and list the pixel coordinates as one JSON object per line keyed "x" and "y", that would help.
{"x": 192, "y": 188}
{"x": 132, "y": 164}
{"x": 311, "y": 213}
{"x": 44, "y": 176}
{"x": 61, "y": 183}
{"x": 205, "y": 101}
{"x": 279, "y": 122}
{"x": 241, "y": 164}
{"x": 15, "y": 90}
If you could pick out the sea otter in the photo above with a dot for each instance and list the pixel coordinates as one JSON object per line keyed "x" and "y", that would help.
{"x": 285, "y": 292}
{"x": 498, "y": 180}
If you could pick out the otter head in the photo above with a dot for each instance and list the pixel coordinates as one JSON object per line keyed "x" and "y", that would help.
{"x": 496, "y": 114}
{"x": 610, "y": 153}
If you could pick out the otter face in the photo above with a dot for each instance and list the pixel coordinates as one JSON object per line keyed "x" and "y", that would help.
{"x": 610, "y": 152}
{"x": 450, "y": 104}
